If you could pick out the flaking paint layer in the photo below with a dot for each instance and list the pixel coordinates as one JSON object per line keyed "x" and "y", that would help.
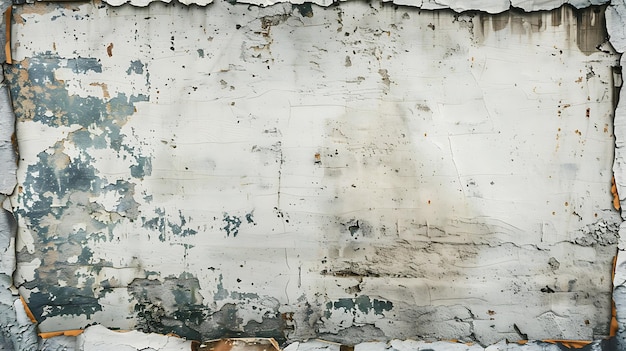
{"x": 361, "y": 171}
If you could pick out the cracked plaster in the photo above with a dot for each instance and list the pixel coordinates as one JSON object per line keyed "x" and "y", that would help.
{"x": 243, "y": 221}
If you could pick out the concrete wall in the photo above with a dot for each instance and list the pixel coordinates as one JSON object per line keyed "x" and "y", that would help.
{"x": 364, "y": 171}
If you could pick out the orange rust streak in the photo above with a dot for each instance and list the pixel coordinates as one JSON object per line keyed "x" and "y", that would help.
{"x": 7, "y": 44}
{"x": 72, "y": 332}
{"x": 29, "y": 313}
{"x": 576, "y": 344}
{"x": 616, "y": 203}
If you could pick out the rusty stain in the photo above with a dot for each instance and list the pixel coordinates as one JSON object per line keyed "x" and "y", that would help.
{"x": 576, "y": 344}
{"x": 29, "y": 313}
{"x": 71, "y": 332}
{"x": 616, "y": 202}
{"x": 15, "y": 145}
{"x": 105, "y": 89}
{"x": 110, "y": 49}
{"x": 7, "y": 43}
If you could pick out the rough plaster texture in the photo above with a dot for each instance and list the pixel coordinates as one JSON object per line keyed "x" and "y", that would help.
{"x": 100, "y": 338}
{"x": 109, "y": 130}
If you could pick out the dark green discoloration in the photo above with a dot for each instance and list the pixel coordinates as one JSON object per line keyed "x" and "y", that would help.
{"x": 379, "y": 306}
{"x": 346, "y": 304}
{"x": 201, "y": 53}
{"x": 60, "y": 301}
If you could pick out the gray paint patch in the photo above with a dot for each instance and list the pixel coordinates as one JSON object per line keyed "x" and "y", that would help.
{"x": 176, "y": 306}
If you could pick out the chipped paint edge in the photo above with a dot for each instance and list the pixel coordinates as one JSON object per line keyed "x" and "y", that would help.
{"x": 488, "y": 6}
{"x": 16, "y": 318}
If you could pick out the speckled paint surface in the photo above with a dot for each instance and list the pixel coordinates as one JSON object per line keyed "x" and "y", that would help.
{"x": 363, "y": 171}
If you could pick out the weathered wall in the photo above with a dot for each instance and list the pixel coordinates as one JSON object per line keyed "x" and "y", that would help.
{"x": 358, "y": 172}
{"x": 355, "y": 172}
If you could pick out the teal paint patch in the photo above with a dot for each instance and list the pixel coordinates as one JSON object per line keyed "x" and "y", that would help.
{"x": 179, "y": 229}
{"x": 221, "y": 293}
{"x": 346, "y": 304}
{"x": 136, "y": 67}
{"x": 154, "y": 314}
{"x": 126, "y": 203}
{"x": 142, "y": 168}
{"x": 63, "y": 301}
{"x": 155, "y": 224}
{"x": 175, "y": 305}
{"x": 361, "y": 303}
{"x": 231, "y": 224}
{"x": 85, "y": 256}
{"x": 250, "y": 217}
{"x": 84, "y": 65}
{"x": 168, "y": 227}
{"x": 57, "y": 189}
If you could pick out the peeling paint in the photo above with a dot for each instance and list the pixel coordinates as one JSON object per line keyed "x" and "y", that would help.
{"x": 375, "y": 186}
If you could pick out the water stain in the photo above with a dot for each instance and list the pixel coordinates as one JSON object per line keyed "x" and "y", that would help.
{"x": 587, "y": 25}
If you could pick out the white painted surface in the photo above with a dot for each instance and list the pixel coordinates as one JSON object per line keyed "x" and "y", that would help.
{"x": 462, "y": 169}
